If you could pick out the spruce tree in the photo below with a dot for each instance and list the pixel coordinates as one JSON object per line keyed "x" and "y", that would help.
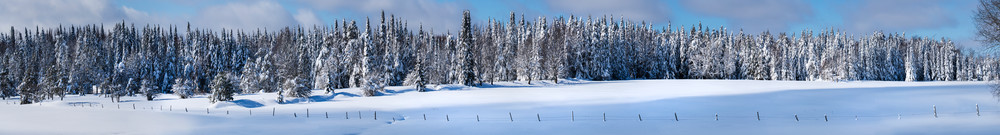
{"x": 222, "y": 88}
{"x": 466, "y": 44}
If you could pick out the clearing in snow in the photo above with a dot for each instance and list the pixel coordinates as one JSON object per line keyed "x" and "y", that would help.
{"x": 571, "y": 107}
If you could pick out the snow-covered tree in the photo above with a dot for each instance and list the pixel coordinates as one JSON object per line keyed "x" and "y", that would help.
{"x": 222, "y": 88}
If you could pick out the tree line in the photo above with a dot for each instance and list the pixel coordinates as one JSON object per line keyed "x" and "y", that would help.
{"x": 126, "y": 60}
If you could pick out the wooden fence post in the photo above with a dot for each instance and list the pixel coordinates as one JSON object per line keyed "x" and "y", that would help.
{"x": 272, "y": 111}
{"x": 539, "y": 117}
{"x": 977, "y": 110}
{"x": 477, "y": 117}
{"x": 133, "y": 106}
{"x": 675, "y": 117}
{"x": 425, "y": 116}
{"x": 307, "y": 112}
{"x": 935, "y": 110}
{"x": 605, "y": 116}
{"x": 572, "y": 116}
{"x": 825, "y": 118}
{"x": 758, "y": 116}
{"x": 446, "y": 118}
{"x": 327, "y": 114}
{"x": 375, "y": 115}
{"x": 511, "y": 116}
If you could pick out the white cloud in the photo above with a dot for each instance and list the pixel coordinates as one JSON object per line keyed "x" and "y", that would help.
{"x": 754, "y": 15}
{"x": 52, "y": 13}
{"x": 440, "y": 16}
{"x": 898, "y": 15}
{"x": 648, "y": 10}
{"x": 307, "y": 18}
{"x": 249, "y": 16}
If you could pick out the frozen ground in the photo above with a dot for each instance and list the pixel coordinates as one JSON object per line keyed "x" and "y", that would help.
{"x": 574, "y": 107}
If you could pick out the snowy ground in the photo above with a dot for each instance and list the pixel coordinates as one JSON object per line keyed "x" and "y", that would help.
{"x": 574, "y": 107}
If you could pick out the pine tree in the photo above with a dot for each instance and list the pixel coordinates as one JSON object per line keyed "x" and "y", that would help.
{"x": 222, "y": 88}
{"x": 149, "y": 90}
{"x": 183, "y": 88}
{"x": 469, "y": 75}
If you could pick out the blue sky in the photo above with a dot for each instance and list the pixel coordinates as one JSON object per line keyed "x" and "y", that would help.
{"x": 930, "y": 18}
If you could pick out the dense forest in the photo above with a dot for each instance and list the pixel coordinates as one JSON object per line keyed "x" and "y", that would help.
{"x": 126, "y": 60}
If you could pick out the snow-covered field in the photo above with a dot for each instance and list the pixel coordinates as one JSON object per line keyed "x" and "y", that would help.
{"x": 573, "y": 107}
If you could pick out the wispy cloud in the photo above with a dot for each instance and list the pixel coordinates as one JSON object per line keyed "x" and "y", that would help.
{"x": 898, "y": 15}
{"x": 52, "y": 13}
{"x": 754, "y": 15}
{"x": 648, "y": 10}
{"x": 306, "y": 18}
{"x": 432, "y": 13}
{"x": 245, "y": 15}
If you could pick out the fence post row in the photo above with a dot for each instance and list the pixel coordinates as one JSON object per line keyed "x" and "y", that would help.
{"x": 538, "y": 116}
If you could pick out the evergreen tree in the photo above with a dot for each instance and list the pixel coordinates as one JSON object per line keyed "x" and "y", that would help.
{"x": 222, "y": 88}
{"x": 149, "y": 90}
{"x": 468, "y": 74}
